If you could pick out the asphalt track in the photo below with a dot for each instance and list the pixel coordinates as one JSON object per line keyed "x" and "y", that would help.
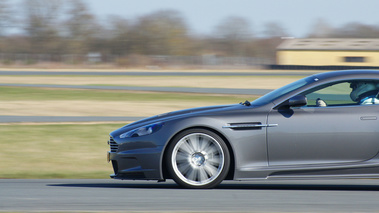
{"x": 141, "y": 196}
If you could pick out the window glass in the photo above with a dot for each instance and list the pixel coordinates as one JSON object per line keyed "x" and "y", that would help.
{"x": 344, "y": 93}
{"x": 272, "y": 96}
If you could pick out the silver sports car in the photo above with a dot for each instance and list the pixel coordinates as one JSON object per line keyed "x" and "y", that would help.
{"x": 323, "y": 126}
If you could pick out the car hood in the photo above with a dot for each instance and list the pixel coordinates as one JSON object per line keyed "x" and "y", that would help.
{"x": 177, "y": 114}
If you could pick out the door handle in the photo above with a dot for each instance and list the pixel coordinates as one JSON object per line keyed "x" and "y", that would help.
{"x": 365, "y": 118}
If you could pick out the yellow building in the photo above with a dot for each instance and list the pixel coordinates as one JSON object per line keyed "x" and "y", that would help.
{"x": 329, "y": 52}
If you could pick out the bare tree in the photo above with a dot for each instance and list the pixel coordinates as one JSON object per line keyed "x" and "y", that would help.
{"x": 233, "y": 34}
{"x": 81, "y": 21}
{"x": 356, "y": 30}
{"x": 42, "y": 18}
{"x": 321, "y": 29}
{"x": 274, "y": 30}
{"x": 80, "y": 25}
{"x": 162, "y": 32}
{"x": 120, "y": 35}
{"x": 265, "y": 47}
{"x": 6, "y": 16}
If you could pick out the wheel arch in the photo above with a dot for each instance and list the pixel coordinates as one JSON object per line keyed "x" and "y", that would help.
{"x": 230, "y": 174}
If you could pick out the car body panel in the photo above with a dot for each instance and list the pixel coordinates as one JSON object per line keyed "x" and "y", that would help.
{"x": 320, "y": 135}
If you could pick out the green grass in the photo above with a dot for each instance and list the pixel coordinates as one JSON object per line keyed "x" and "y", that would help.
{"x": 55, "y": 151}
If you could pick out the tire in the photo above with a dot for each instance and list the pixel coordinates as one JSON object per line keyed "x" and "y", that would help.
{"x": 198, "y": 159}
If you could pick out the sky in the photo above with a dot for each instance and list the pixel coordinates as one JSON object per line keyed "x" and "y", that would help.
{"x": 296, "y": 16}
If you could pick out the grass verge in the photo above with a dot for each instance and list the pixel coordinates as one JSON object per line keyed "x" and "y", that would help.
{"x": 41, "y": 94}
{"x": 22, "y": 101}
{"x": 55, "y": 151}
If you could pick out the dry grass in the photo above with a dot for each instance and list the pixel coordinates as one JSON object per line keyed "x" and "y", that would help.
{"x": 21, "y": 101}
{"x": 55, "y": 151}
{"x": 239, "y": 82}
{"x": 95, "y": 108}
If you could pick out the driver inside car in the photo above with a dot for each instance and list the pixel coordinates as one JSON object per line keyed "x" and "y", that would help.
{"x": 364, "y": 92}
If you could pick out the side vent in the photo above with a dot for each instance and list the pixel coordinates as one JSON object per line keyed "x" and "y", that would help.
{"x": 244, "y": 126}
{"x": 248, "y": 126}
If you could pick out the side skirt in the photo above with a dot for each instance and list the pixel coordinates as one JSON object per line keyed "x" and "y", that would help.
{"x": 366, "y": 169}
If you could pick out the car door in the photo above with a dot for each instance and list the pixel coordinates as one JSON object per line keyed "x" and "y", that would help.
{"x": 341, "y": 132}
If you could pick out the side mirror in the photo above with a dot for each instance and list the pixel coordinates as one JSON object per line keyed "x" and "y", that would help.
{"x": 297, "y": 101}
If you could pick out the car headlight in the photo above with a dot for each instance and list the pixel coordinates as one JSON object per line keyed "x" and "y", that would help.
{"x": 141, "y": 131}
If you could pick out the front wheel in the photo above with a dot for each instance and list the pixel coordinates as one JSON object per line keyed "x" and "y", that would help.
{"x": 198, "y": 158}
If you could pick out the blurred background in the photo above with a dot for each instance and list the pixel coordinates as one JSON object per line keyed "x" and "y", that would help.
{"x": 72, "y": 71}
{"x": 169, "y": 34}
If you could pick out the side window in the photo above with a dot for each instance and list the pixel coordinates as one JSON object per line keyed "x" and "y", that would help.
{"x": 357, "y": 92}
{"x": 336, "y": 94}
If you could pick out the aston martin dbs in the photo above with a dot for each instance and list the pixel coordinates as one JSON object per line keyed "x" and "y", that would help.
{"x": 323, "y": 126}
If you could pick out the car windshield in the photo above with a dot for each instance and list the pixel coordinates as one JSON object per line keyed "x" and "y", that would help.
{"x": 270, "y": 97}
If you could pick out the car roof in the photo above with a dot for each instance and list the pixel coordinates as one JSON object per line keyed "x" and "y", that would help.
{"x": 348, "y": 74}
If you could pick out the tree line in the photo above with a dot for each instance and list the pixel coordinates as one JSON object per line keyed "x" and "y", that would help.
{"x": 69, "y": 27}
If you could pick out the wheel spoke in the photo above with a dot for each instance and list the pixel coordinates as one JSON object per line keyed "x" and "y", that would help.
{"x": 185, "y": 147}
{"x": 210, "y": 169}
{"x": 210, "y": 148}
{"x": 205, "y": 144}
{"x": 202, "y": 176}
{"x": 214, "y": 161}
{"x": 193, "y": 141}
{"x": 181, "y": 157}
{"x": 191, "y": 175}
{"x": 184, "y": 168}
